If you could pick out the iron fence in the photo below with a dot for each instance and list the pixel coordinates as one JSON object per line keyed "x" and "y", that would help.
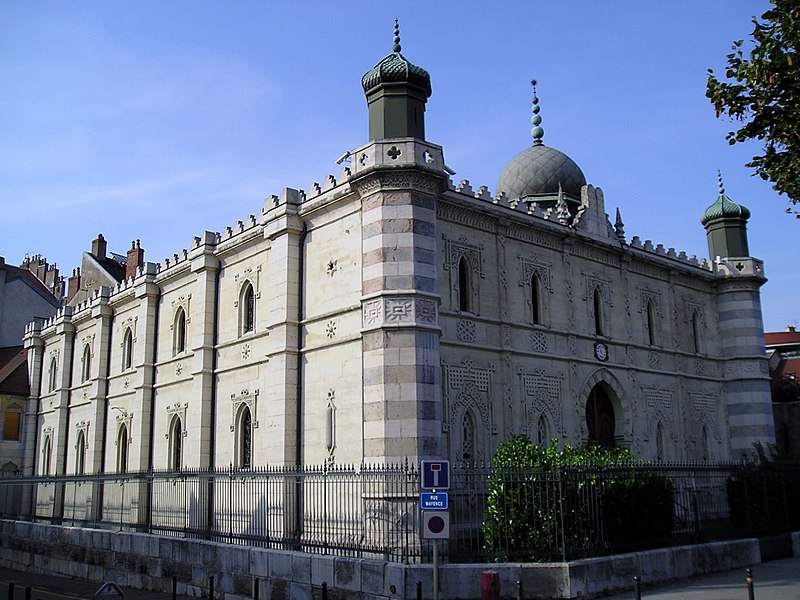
{"x": 373, "y": 510}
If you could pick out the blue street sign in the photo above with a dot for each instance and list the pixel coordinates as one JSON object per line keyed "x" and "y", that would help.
{"x": 433, "y": 501}
{"x": 435, "y": 474}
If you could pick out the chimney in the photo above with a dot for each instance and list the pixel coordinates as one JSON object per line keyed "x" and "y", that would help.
{"x": 790, "y": 328}
{"x": 74, "y": 283}
{"x": 99, "y": 246}
{"x": 135, "y": 259}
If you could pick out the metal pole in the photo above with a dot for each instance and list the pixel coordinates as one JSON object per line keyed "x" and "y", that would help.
{"x": 174, "y": 587}
{"x": 10, "y": 591}
{"x": 28, "y": 592}
{"x": 256, "y": 583}
{"x": 435, "y": 569}
{"x": 324, "y": 590}
{"x": 638, "y": 587}
{"x": 749, "y": 579}
{"x": 211, "y": 587}
{"x": 419, "y": 590}
{"x": 519, "y": 589}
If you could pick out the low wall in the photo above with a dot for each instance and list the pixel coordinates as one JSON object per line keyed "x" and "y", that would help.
{"x": 143, "y": 561}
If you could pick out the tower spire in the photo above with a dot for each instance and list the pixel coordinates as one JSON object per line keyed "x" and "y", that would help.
{"x": 536, "y": 131}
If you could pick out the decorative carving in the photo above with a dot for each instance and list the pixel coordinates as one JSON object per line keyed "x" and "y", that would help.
{"x": 654, "y": 360}
{"x": 373, "y": 312}
{"x": 506, "y": 334}
{"x": 466, "y": 330}
{"x": 178, "y": 369}
{"x": 330, "y": 329}
{"x": 426, "y": 310}
{"x": 468, "y": 387}
{"x": 183, "y": 302}
{"x": 244, "y": 397}
{"x": 178, "y": 409}
{"x": 541, "y": 394}
{"x": 253, "y": 276}
{"x": 333, "y": 266}
{"x": 539, "y": 341}
{"x": 245, "y": 351}
{"x": 397, "y": 310}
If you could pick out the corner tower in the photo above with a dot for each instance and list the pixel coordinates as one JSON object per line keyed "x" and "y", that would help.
{"x": 396, "y": 91}
{"x": 399, "y": 177}
{"x": 741, "y": 326}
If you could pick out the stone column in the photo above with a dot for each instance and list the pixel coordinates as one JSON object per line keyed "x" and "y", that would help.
{"x": 399, "y": 181}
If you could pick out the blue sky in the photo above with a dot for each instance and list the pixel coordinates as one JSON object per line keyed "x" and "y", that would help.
{"x": 159, "y": 120}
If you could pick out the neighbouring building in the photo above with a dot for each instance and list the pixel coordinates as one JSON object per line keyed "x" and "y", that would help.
{"x": 391, "y": 313}
{"x": 783, "y": 352}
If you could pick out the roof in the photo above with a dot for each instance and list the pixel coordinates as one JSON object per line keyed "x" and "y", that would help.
{"x": 724, "y": 208}
{"x": 30, "y": 279}
{"x": 540, "y": 170}
{"x": 14, "y": 371}
{"x": 782, "y": 339}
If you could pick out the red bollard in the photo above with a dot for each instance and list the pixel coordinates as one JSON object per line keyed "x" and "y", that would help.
{"x": 490, "y": 585}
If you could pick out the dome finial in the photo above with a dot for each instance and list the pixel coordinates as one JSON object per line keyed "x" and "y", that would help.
{"x": 396, "y": 47}
{"x": 536, "y": 131}
{"x": 719, "y": 180}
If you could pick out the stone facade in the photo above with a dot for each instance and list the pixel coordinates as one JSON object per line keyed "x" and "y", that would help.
{"x": 390, "y": 314}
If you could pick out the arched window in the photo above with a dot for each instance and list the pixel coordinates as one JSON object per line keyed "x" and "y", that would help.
{"x": 47, "y": 454}
{"x": 468, "y": 437}
{"x": 86, "y": 366}
{"x": 659, "y": 443}
{"x": 542, "y": 432}
{"x": 12, "y": 423}
{"x": 244, "y": 438}
{"x": 80, "y": 454}
{"x": 464, "y": 285}
{"x": 600, "y": 419}
{"x": 695, "y": 333}
{"x": 179, "y": 332}
{"x": 53, "y": 381}
{"x": 536, "y": 300}
{"x": 599, "y": 328}
{"x": 247, "y": 308}
{"x": 651, "y": 323}
{"x": 175, "y": 444}
{"x": 122, "y": 449}
{"x": 127, "y": 349}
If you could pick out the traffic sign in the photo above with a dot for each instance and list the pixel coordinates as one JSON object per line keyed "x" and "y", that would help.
{"x": 433, "y": 501}
{"x": 435, "y": 525}
{"x": 436, "y": 474}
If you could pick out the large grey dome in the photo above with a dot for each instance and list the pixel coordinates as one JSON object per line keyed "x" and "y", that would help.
{"x": 537, "y": 171}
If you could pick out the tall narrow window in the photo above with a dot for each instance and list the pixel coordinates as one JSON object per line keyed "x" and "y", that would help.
{"x": 598, "y": 312}
{"x": 122, "y": 449}
{"x": 659, "y": 443}
{"x": 695, "y": 333}
{"x": 127, "y": 349}
{"x": 80, "y": 454}
{"x": 244, "y": 438}
{"x": 176, "y": 444}
{"x": 12, "y": 424}
{"x": 53, "y": 381}
{"x": 248, "y": 308}
{"x": 179, "y": 329}
{"x": 47, "y": 454}
{"x": 651, "y": 323}
{"x": 705, "y": 446}
{"x": 536, "y": 304}
{"x": 86, "y": 366}
{"x": 468, "y": 437}
{"x": 542, "y": 432}
{"x": 464, "y": 287}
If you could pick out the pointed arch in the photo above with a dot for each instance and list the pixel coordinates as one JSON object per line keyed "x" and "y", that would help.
{"x": 604, "y": 383}
{"x": 543, "y": 431}
{"x": 47, "y": 454}
{"x": 695, "y": 331}
{"x": 80, "y": 454}
{"x": 244, "y": 438}
{"x": 660, "y": 456}
{"x": 705, "y": 444}
{"x": 175, "y": 444}
{"x": 464, "y": 285}
{"x": 599, "y": 310}
{"x": 53, "y": 379}
{"x": 247, "y": 309}
{"x": 127, "y": 349}
{"x": 122, "y": 449}
{"x": 179, "y": 332}
{"x": 86, "y": 363}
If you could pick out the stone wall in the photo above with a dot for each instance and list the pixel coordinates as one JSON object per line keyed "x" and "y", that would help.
{"x": 136, "y": 560}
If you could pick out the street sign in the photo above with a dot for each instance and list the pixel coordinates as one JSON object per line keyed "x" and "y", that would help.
{"x": 435, "y": 474}
{"x": 435, "y": 525}
{"x": 433, "y": 500}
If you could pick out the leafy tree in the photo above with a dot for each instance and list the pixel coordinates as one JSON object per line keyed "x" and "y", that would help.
{"x": 762, "y": 91}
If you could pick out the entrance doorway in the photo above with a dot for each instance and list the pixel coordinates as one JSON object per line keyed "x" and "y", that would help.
{"x": 600, "y": 417}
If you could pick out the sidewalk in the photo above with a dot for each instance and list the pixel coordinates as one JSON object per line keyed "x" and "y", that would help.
{"x": 774, "y": 580}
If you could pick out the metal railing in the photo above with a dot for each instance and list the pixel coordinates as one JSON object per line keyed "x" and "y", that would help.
{"x": 373, "y": 510}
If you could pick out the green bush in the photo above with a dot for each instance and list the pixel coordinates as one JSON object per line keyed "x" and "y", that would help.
{"x": 551, "y": 503}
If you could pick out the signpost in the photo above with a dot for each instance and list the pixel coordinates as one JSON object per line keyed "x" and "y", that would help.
{"x": 435, "y": 518}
